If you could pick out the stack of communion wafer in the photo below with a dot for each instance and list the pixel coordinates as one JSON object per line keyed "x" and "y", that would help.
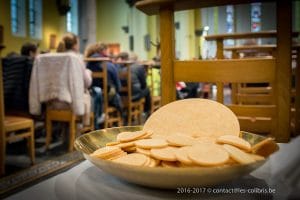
{"x": 186, "y": 133}
{"x": 143, "y": 148}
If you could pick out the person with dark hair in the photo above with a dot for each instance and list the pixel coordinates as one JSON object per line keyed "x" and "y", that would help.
{"x": 99, "y": 50}
{"x": 29, "y": 49}
{"x": 138, "y": 81}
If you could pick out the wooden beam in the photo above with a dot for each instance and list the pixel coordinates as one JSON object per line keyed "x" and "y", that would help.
{"x": 260, "y": 48}
{"x": 151, "y": 7}
{"x": 234, "y": 71}
{"x": 167, "y": 38}
{"x": 261, "y": 34}
{"x": 225, "y": 36}
{"x": 283, "y": 69}
{"x": 254, "y": 110}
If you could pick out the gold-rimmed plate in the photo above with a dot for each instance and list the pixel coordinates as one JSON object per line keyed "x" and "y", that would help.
{"x": 161, "y": 177}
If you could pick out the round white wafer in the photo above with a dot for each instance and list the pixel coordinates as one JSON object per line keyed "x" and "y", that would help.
{"x": 130, "y": 136}
{"x": 117, "y": 156}
{"x": 180, "y": 140}
{"x": 125, "y": 144}
{"x": 208, "y": 154}
{"x": 166, "y": 153}
{"x": 105, "y": 151}
{"x": 143, "y": 151}
{"x": 235, "y": 141}
{"x": 147, "y": 135}
{"x": 112, "y": 143}
{"x": 194, "y": 117}
{"x": 153, "y": 162}
{"x": 151, "y": 143}
{"x": 182, "y": 155}
{"x": 136, "y": 159}
{"x": 238, "y": 155}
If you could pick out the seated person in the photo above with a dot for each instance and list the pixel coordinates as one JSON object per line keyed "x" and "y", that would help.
{"x": 70, "y": 43}
{"x": 30, "y": 50}
{"x": 99, "y": 50}
{"x": 138, "y": 81}
{"x": 16, "y": 77}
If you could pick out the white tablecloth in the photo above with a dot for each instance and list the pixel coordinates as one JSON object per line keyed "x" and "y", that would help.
{"x": 281, "y": 173}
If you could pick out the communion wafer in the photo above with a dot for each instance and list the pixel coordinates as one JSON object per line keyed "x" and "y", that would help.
{"x": 136, "y": 159}
{"x": 125, "y": 144}
{"x": 109, "y": 156}
{"x": 130, "y": 149}
{"x": 106, "y": 151}
{"x": 117, "y": 156}
{"x": 265, "y": 147}
{"x": 153, "y": 162}
{"x": 112, "y": 143}
{"x": 143, "y": 151}
{"x": 205, "y": 139}
{"x": 238, "y": 155}
{"x": 180, "y": 140}
{"x": 147, "y": 163}
{"x": 194, "y": 117}
{"x": 147, "y": 135}
{"x": 130, "y": 136}
{"x": 182, "y": 155}
{"x": 235, "y": 141}
{"x": 151, "y": 143}
{"x": 166, "y": 153}
{"x": 208, "y": 154}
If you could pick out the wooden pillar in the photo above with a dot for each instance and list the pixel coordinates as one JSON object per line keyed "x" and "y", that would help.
{"x": 220, "y": 49}
{"x": 167, "y": 38}
{"x": 220, "y": 86}
{"x": 197, "y": 20}
{"x": 2, "y": 138}
{"x": 283, "y": 70}
{"x": 297, "y": 96}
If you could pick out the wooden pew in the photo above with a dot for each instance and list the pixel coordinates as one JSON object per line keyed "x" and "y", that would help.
{"x": 135, "y": 109}
{"x": 11, "y": 124}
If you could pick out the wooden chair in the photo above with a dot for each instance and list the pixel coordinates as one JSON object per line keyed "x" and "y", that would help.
{"x": 134, "y": 108}
{"x": 155, "y": 99}
{"x": 65, "y": 114}
{"x": 112, "y": 115}
{"x": 223, "y": 71}
{"x": 12, "y": 128}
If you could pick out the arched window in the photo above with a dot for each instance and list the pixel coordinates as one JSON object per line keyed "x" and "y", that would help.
{"x": 72, "y": 17}
{"x": 18, "y": 18}
{"x": 35, "y": 18}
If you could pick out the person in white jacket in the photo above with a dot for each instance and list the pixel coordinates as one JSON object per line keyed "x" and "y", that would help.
{"x": 46, "y": 86}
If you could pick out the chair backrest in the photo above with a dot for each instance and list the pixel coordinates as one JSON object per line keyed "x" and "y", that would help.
{"x": 57, "y": 76}
{"x": 102, "y": 77}
{"x": 16, "y": 78}
{"x": 126, "y": 90}
{"x": 235, "y": 71}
